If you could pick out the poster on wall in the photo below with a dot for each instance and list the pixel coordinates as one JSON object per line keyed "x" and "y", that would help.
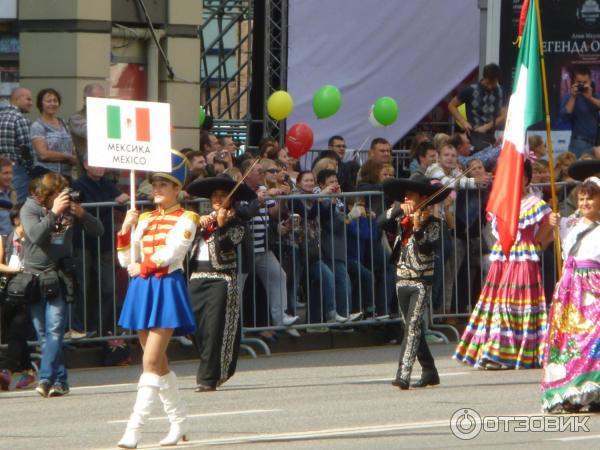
{"x": 571, "y": 33}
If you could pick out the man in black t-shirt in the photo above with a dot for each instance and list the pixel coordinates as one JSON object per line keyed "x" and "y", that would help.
{"x": 486, "y": 108}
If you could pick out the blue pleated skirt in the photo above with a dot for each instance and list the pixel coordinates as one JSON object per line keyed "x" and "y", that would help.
{"x": 158, "y": 303}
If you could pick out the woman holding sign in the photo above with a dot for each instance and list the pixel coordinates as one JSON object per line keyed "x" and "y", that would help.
{"x": 157, "y": 305}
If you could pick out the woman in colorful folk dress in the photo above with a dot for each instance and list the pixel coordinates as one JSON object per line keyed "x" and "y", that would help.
{"x": 213, "y": 287}
{"x": 571, "y": 380}
{"x": 507, "y": 328}
{"x": 157, "y": 305}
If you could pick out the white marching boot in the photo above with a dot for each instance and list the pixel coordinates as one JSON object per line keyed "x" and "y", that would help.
{"x": 148, "y": 388}
{"x": 174, "y": 408}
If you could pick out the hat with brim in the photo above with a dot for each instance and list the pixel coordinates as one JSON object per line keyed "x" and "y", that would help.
{"x": 396, "y": 188}
{"x": 205, "y": 187}
{"x": 580, "y": 170}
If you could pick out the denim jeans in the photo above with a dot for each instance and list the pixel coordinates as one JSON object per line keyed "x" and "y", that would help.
{"x": 321, "y": 291}
{"x": 362, "y": 283}
{"x": 49, "y": 318}
{"x": 343, "y": 289}
{"x": 20, "y": 182}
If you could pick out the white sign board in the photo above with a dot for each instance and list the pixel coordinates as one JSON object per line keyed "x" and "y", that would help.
{"x": 124, "y": 134}
{"x": 8, "y": 9}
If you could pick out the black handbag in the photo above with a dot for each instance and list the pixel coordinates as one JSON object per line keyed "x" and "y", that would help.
{"x": 23, "y": 288}
{"x": 49, "y": 283}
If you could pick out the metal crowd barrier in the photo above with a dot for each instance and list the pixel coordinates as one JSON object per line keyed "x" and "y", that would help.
{"x": 298, "y": 275}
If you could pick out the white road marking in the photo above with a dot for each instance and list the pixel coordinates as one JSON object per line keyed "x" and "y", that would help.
{"x": 217, "y": 414}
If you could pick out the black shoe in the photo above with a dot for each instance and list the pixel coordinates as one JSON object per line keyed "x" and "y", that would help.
{"x": 205, "y": 388}
{"x": 427, "y": 379}
{"x": 400, "y": 383}
{"x": 43, "y": 389}
{"x": 58, "y": 390}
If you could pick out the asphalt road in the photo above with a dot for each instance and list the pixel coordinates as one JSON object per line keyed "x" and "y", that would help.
{"x": 335, "y": 399}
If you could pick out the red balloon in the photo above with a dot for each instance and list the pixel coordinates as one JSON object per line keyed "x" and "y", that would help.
{"x": 299, "y": 139}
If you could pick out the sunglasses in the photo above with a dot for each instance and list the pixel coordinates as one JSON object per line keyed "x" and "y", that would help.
{"x": 273, "y": 170}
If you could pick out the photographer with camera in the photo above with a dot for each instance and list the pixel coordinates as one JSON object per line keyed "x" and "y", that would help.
{"x": 47, "y": 217}
{"x": 580, "y": 108}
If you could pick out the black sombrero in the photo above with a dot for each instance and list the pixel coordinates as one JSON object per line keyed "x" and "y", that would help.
{"x": 396, "y": 188}
{"x": 206, "y": 186}
{"x": 580, "y": 170}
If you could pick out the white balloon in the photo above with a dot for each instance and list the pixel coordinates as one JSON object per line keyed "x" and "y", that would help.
{"x": 372, "y": 120}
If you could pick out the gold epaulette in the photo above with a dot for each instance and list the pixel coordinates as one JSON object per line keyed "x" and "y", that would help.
{"x": 191, "y": 215}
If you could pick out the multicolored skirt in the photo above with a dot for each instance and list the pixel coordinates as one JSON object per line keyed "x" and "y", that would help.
{"x": 572, "y": 358}
{"x": 155, "y": 302}
{"x": 507, "y": 328}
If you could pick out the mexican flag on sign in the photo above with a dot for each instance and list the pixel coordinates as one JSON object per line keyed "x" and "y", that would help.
{"x": 128, "y": 123}
{"x": 524, "y": 110}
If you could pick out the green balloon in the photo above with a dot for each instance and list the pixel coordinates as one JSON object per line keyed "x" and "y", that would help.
{"x": 327, "y": 101}
{"x": 201, "y": 115}
{"x": 385, "y": 110}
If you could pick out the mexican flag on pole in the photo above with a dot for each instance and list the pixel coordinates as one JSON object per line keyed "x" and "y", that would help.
{"x": 524, "y": 109}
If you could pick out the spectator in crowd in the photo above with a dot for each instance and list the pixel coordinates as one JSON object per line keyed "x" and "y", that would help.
{"x": 537, "y": 147}
{"x": 563, "y": 162}
{"x": 596, "y": 152}
{"x": 96, "y": 267}
{"x": 264, "y": 214}
{"x": 220, "y": 164}
{"x": 15, "y": 139}
{"x": 366, "y": 265}
{"x": 446, "y": 169}
{"x": 580, "y": 108}
{"x": 291, "y": 164}
{"x": 234, "y": 173}
{"x": 47, "y": 218}
{"x": 540, "y": 174}
{"x": 333, "y": 243}
{"x": 210, "y": 145}
{"x": 15, "y": 318}
{"x": 197, "y": 165}
{"x": 347, "y": 170}
{"x": 324, "y": 163}
{"x": 228, "y": 144}
{"x": 488, "y": 156}
{"x": 425, "y": 156}
{"x": 269, "y": 148}
{"x": 486, "y": 108}
{"x": 470, "y": 218}
{"x": 8, "y": 197}
{"x": 420, "y": 136}
{"x": 319, "y": 278}
{"x": 50, "y": 136}
{"x": 380, "y": 151}
{"x": 439, "y": 140}
{"x": 78, "y": 126}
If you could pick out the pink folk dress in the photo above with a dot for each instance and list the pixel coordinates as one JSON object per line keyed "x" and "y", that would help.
{"x": 572, "y": 357}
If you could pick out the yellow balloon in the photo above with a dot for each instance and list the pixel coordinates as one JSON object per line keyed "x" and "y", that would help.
{"x": 280, "y": 105}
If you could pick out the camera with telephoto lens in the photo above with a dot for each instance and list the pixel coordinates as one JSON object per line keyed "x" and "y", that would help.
{"x": 74, "y": 196}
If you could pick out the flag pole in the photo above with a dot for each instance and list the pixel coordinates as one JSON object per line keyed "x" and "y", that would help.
{"x": 132, "y": 207}
{"x": 554, "y": 201}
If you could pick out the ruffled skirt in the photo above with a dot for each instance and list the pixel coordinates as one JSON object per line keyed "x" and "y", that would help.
{"x": 158, "y": 303}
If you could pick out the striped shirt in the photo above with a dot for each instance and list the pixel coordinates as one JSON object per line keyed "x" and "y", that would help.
{"x": 259, "y": 225}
